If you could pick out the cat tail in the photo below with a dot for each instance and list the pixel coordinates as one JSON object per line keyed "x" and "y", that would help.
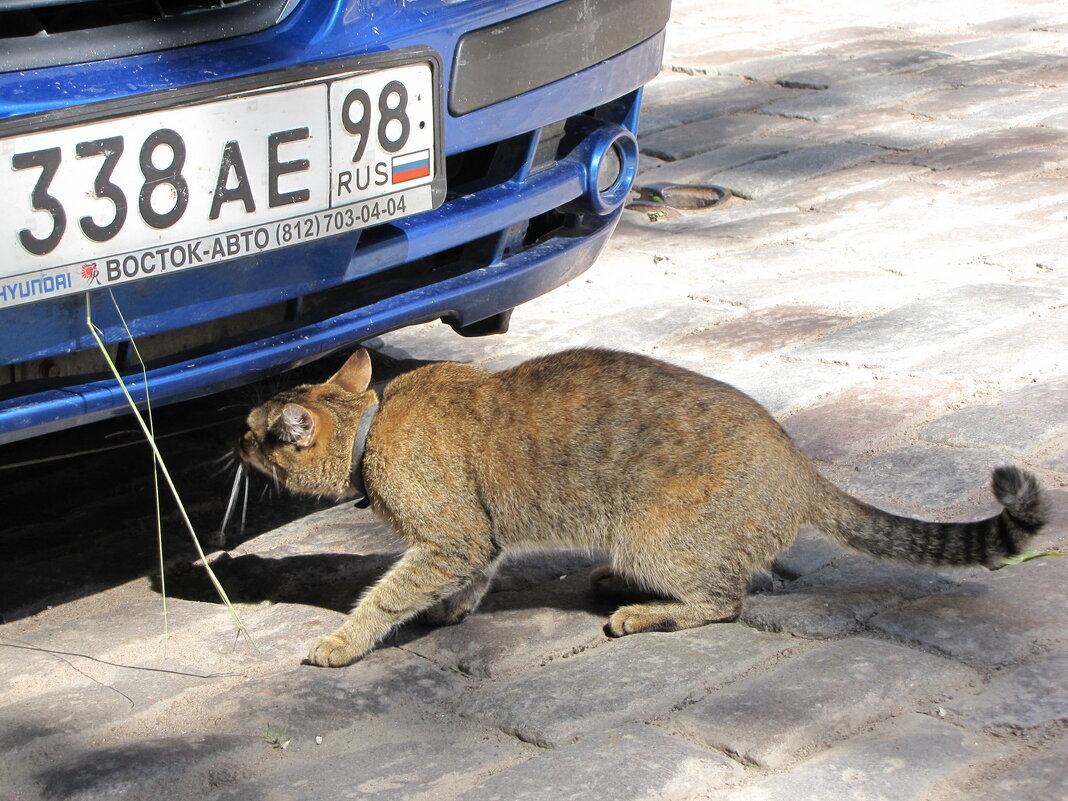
{"x": 983, "y": 542}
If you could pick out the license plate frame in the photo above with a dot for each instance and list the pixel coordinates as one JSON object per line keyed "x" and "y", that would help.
{"x": 395, "y": 139}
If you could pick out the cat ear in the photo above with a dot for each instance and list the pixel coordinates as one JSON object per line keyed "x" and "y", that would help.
{"x": 355, "y": 373}
{"x": 296, "y": 425}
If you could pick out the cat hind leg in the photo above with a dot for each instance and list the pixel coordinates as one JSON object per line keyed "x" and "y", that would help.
{"x": 670, "y": 616}
{"x": 684, "y": 590}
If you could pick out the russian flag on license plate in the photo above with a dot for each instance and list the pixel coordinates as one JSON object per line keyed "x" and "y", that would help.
{"x": 411, "y": 166}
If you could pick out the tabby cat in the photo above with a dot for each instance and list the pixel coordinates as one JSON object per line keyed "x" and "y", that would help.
{"x": 688, "y": 484}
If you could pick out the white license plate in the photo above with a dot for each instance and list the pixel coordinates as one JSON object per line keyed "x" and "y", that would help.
{"x": 148, "y": 192}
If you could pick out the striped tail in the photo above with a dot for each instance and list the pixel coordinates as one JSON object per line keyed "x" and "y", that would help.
{"x": 903, "y": 539}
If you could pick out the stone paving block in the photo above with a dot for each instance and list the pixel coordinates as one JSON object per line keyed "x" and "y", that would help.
{"x": 631, "y": 328}
{"x": 686, "y": 141}
{"x": 923, "y": 478}
{"x": 60, "y": 718}
{"x": 312, "y": 701}
{"x": 809, "y": 552}
{"x": 699, "y": 169}
{"x": 698, "y": 60}
{"x": 767, "y": 177}
{"x": 882, "y": 583}
{"x": 879, "y": 185}
{"x": 524, "y": 571}
{"x": 964, "y": 101}
{"x": 1034, "y": 192}
{"x": 849, "y": 289}
{"x": 916, "y": 134}
{"x": 848, "y": 96}
{"x": 1052, "y": 212}
{"x": 1022, "y": 353}
{"x": 339, "y": 529}
{"x": 952, "y": 245}
{"x": 1058, "y": 121}
{"x": 1040, "y": 778}
{"x": 811, "y": 616}
{"x": 917, "y": 330}
{"x": 848, "y": 423}
{"x": 731, "y": 100}
{"x": 1019, "y": 421}
{"x": 1029, "y": 696}
{"x": 987, "y": 46}
{"x": 904, "y": 761}
{"x": 756, "y": 334}
{"x": 845, "y": 39}
{"x": 817, "y": 698}
{"x": 736, "y": 231}
{"x": 1040, "y": 255}
{"x": 1010, "y": 66}
{"x": 839, "y": 598}
{"x": 985, "y": 146}
{"x": 1057, "y": 461}
{"x": 763, "y": 264}
{"x": 618, "y": 682}
{"x": 988, "y": 171}
{"x": 1001, "y": 619}
{"x": 513, "y": 630}
{"x": 653, "y": 124}
{"x": 788, "y": 386}
{"x": 769, "y": 69}
{"x": 884, "y": 62}
{"x": 878, "y": 41}
{"x": 413, "y": 770}
{"x": 1008, "y": 23}
{"x": 841, "y": 130}
{"x": 1030, "y": 111}
{"x": 671, "y": 91}
{"x": 175, "y": 768}
{"x": 636, "y": 763}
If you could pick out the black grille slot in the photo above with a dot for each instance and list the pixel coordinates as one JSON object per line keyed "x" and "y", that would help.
{"x": 47, "y": 33}
{"x": 55, "y": 18}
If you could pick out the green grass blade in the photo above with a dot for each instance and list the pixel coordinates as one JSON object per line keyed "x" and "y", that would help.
{"x": 155, "y": 470}
{"x": 163, "y": 470}
{"x": 1027, "y": 556}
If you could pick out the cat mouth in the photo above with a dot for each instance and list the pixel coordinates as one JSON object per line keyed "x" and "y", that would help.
{"x": 248, "y": 450}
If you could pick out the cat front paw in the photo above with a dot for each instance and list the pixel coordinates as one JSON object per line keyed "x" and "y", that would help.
{"x": 332, "y": 651}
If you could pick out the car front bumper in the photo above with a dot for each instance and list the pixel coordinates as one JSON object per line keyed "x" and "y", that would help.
{"x": 525, "y": 211}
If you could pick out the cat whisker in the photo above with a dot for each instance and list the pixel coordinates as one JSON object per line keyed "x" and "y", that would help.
{"x": 244, "y": 507}
{"x": 241, "y": 470}
{"x": 221, "y": 469}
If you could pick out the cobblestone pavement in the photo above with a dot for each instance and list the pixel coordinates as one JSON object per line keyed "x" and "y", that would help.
{"x": 891, "y": 281}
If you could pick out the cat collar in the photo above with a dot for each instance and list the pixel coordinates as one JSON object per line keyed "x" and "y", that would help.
{"x": 358, "y": 447}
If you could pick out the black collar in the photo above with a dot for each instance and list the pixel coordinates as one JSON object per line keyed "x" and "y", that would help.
{"x": 358, "y": 447}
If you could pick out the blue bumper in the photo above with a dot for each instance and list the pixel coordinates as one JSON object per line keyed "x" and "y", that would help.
{"x": 504, "y": 235}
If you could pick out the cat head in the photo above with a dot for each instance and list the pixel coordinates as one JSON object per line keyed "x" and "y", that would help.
{"x": 303, "y": 437}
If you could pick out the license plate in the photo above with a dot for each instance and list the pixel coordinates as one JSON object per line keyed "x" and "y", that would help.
{"x": 234, "y": 171}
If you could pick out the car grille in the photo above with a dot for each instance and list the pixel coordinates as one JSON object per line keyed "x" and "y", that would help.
{"x": 46, "y": 33}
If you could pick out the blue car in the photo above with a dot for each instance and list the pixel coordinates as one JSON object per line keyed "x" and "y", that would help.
{"x": 248, "y": 185}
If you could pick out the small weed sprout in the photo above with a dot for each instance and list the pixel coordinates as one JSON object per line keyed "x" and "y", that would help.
{"x": 275, "y": 737}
